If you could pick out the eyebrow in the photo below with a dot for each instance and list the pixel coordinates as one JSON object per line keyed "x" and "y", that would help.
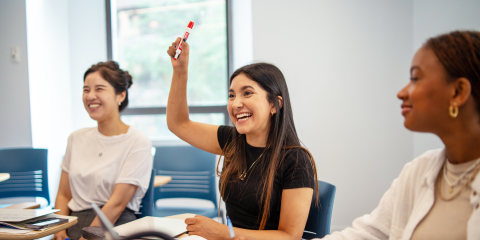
{"x": 243, "y": 88}
{"x": 413, "y": 68}
{"x": 95, "y": 86}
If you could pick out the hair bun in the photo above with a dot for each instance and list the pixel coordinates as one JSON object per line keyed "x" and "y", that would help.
{"x": 128, "y": 79}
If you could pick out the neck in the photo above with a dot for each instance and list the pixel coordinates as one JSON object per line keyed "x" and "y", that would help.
{"x": 462, "y": 144}
{"x": 257, "y": 139}
{"x": 111, "y": 127}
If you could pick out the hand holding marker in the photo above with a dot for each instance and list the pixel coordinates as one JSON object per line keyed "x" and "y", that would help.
{"x": 185, "y": 37}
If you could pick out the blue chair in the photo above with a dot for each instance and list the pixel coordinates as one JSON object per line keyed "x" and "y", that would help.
{"x": 319, "y": 218}
{"x": 28, "y": 173}
{"x": 193, "y": 176}
{"x": 146, "y": 206}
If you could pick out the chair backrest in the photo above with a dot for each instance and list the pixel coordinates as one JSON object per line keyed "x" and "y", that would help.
{"x": 146, "y": 206}
{"x": 319, "y": 218}
{"x": 28, "y": 173}
{"x": 192, "y": 171}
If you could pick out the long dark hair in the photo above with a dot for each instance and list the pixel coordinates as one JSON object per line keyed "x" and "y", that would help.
{"x": 459, "y": 54}
{"x": 119, "y": 79}
{"x": 282, "y": 136}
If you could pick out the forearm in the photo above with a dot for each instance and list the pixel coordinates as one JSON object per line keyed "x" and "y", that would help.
{"x": 61, "y": 203}
{"x": 177, "y": 108}
{"x": 265, "y": 234}
{"x": 112, "y": 211}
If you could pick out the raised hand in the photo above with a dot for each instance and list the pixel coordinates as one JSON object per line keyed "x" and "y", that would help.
{"x": 181, "y": 64}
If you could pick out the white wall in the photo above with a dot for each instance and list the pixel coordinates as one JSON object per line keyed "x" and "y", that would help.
{"x": 63, "y": 44}
{"x": 15, "y": 127}
{"x": 344, "y": 62}
{"x": 88, "y": 41}
{"x": 49, "y": 78}
{"x": 433, "y": 17}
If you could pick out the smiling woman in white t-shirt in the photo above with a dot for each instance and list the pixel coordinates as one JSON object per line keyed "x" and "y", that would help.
{"x": 110, "y": 164}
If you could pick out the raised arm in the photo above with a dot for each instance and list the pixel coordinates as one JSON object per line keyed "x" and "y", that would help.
{"x": 200, "y": 135}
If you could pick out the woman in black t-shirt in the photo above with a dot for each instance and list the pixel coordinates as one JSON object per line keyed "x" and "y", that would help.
{"x": 267, "y": 179}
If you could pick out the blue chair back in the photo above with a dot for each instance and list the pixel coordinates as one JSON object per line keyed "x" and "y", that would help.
{"x": 28, "y": 173}
{"x": 146, "y": 206}
{"x": 319, "y": 218}
{"x": 192, "y": 171}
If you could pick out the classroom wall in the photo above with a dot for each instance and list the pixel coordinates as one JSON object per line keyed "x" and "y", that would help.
{"x": 49, "y": 79}
{"x": 88, "y": 41}
{"x": 344, "y": 62}
{"x": 15, "y": 127}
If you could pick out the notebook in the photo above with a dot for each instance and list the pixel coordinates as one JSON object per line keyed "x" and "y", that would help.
{"x": 169, "y": 226}
{"x": 19, "y": 215}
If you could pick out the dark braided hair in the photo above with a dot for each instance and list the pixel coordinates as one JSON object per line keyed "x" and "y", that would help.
{"x": 119, "y": 79}
{"x": 459, "y": 54}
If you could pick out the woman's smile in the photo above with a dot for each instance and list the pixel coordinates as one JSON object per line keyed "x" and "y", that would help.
{"x": 243, "y": 117}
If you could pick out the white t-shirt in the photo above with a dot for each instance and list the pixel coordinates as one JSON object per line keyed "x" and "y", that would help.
{"x": 95, "y": 163}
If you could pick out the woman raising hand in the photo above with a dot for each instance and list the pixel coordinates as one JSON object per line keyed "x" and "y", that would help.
{"x": 268, "y": 179}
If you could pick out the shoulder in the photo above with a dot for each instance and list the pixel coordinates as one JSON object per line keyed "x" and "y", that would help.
{"x": 225, "y": 130}
{"x": 296, "y": 158}
{"x": 422, "y": 170}
{"x": 425, "y": 162}
{"x": 140, "y": 139}
{"x": 296, "y": 155}
{"x": 225, "y": 135}
{"x": 84, "y": 132}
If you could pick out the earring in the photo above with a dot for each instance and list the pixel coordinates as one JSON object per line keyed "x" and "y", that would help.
{"x": 453, "y": 110}
{"x": 120, "y": 103}
{"x": 271, "y": 113}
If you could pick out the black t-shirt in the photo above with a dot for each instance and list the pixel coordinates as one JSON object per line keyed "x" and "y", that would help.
{"x": 243, "y": 197}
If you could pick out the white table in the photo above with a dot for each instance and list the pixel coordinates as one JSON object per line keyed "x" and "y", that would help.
{"x": 4, "y": 176}
{"x": 161, "y": 180}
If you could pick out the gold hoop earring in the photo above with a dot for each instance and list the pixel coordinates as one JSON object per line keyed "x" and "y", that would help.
{"x": 453, "y": 110}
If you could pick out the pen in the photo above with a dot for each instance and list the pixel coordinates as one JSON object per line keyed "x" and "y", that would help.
{"x": 185, "y": 37}
{"x": 230, "y": 228}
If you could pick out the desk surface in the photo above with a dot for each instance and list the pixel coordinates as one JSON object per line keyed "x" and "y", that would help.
{"x": 39, "y": 234}
{"x": 4, "y": 176}
{"x": 161, "y": 180}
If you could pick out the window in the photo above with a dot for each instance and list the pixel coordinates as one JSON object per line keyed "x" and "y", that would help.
{"x": 140, "y": 32}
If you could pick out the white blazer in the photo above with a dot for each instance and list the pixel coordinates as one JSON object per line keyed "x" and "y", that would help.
{"x": 407, "y": 202}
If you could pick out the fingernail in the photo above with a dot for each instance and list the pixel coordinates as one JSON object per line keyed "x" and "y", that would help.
{"x": 184, "y": 40}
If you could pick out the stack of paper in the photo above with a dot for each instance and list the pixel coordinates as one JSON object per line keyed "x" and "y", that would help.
{"x": 19, "y": 227}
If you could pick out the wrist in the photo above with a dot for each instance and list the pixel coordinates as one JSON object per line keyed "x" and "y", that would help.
{"x": 226, "y": 233}
{"x": 180, "y": 71}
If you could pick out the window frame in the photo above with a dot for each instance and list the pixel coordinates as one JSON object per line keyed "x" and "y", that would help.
{"x": 192, "y": 109}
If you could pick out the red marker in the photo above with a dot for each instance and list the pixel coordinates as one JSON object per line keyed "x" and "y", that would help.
{"x": 185, "y": 37}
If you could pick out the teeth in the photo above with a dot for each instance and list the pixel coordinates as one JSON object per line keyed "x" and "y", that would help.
{"x": 94, "y": 105}
{"x": 244, "y": 115}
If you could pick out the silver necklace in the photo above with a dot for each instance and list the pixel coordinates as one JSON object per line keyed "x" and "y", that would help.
{"x": 452, "y": 185}
{"x": 244, "y": 174}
